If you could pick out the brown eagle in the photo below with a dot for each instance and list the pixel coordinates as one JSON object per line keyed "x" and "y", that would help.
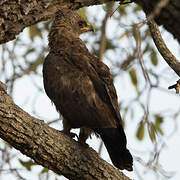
{"x": 81, "y": 87}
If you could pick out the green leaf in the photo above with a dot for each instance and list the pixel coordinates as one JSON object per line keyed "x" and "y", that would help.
{"x": 122, "y": 10}
{"x": 152, "y": 132}
{"x": 44, "y": 170}
{"x": 154, "y": 59}
{"x": 140, "y": 131}
{"x": 147, "y": 48}
{"x": 27, "y": 164}
{"x": 137, "y": 8}
{"x": 109, "y": 44}
{"x": 33, "y": 65}
{"x": 158, "y": 123}
{"x": 34, "y": 31}
{"x": 31, "y": 50}
{"x": 158, "y": 120}
{"x": 133, "y": 76}
{"x": 160, "y": 131}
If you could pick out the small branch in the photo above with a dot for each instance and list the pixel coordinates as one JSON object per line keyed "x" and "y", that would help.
{"x": 49, "y": 147}
{"x": 176, "y": 87}
{"x": 165, "y": 52}
{"x": 161, "y": 4}
{"x": 162, "y": 48}
{"x": 103, "y": 30}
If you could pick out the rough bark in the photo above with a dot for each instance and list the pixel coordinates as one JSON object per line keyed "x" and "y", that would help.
{"x": 49, "y": 147}
{"x": 16, "y": 15}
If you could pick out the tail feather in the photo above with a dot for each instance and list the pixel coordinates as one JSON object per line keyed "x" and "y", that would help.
{"x": 115, "y": 142}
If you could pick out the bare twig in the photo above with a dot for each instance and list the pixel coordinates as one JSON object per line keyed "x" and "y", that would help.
{"x": 175, "y": 86}
{"x": 103, "y": 31}
{"x": 157, "y": 9}
{"x": 163, "y": 49}
{"x": 139, "y": 53}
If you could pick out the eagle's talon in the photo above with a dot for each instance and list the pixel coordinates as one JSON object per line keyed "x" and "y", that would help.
{"x": 70, "y": 134}
{"x": 83, "y": 143}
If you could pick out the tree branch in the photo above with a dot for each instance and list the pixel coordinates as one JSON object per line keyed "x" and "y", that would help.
{"x": 160, "y": 44}
{"x": 49, "y": 147}
{"x": 103, "y": 39}
{"x": 162, "y": 48}
{"x": 16, "y": 15}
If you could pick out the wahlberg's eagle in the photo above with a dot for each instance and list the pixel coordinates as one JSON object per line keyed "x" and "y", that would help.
{"x": 81, "y": 87}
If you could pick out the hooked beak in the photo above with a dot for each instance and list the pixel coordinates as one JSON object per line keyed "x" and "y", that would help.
{"x": 89, "y": 27}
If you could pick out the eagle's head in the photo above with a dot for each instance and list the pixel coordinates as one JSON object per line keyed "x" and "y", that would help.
{"x": 70, "y": 23}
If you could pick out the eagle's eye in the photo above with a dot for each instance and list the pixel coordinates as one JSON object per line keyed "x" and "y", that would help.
{"x": 82, "y": 24}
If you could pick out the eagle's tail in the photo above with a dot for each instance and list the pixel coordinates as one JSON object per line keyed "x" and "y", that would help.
{"x": 115, "y": 142}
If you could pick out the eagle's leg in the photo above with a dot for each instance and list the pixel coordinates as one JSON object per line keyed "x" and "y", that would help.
{"x": 67, "y": 128}
{"x": 84, "y": 134}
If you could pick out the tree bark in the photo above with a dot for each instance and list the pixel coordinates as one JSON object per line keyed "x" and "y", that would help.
{"x": 49, "y": 147}
{"x": 16, "y": 15}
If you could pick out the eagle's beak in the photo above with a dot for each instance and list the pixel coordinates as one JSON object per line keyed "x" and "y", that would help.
{"x": 89, "y": 27}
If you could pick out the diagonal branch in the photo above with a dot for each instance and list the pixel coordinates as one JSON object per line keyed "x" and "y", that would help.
{"x": 160, "y": 44}
{"x": 163, "y": 49}
{"x": 49, "y": 147}
{"x": 16, "y": 15}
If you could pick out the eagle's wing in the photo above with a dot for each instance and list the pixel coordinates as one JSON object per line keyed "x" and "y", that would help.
{"x": 73, "y": 92}
{"x": 99, "y": 74}
{"x": 113, "y": 137}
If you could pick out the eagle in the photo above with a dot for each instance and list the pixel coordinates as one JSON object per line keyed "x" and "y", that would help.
{"x": 81, "y": 87}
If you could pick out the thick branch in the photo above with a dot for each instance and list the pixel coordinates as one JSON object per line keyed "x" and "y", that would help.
{"x": 16, "y": 15}
{"x": 49, "y": 147}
